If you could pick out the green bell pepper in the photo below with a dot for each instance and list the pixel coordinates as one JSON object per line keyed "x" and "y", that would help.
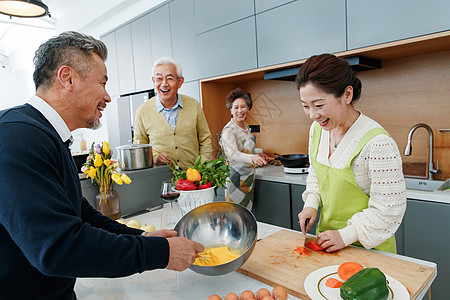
{"x": 367, "y": 284}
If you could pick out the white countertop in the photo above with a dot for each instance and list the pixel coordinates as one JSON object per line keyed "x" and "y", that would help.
{"x": 276, "y": 174}
{"x": 165, "y": 284}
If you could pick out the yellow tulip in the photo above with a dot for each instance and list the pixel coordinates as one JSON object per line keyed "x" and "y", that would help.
{"x": 98, "y": 160}
{"x": 107, "y": 162}
{"x": 105, "y": 148}
{"x": 117, "y": 179}
{"x": 91, "y": 172}
{"x": 126, "y": 179}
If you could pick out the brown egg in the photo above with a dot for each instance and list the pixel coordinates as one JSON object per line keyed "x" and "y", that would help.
{"x": 279, "y": 293}
{"x": 231, "y": 296}
{"x": 262, "y": 293}
{"x": 214, "y": 297}
{"x": 267, "y": 298}
{"x": 247, "y": 295}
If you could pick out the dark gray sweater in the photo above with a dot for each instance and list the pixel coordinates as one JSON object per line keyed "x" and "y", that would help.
{"x": 50, "y": 234}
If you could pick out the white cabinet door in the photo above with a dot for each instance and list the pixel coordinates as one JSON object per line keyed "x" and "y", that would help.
{"x": 142, "y": 53}
{"x": 160, "y": 33}
{"x": 374, "y": 22}
{"x": 210, "y": 14}
{"x": 227, "y": 49}
{"x": 184, "y": 46}
{"x": 125, "y": 60}
{"x": 112, "y": 86}
{"x": 299, "y": 30}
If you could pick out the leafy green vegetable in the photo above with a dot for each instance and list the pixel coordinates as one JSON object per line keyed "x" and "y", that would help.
{"x": 215, "y": 171}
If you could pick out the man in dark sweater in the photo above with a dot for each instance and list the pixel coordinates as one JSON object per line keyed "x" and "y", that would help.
{"x": 49, "y": 234}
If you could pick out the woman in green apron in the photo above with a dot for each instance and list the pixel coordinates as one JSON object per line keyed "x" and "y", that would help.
{"x": 238, "y": 145}
{"x": 355, "y": 172}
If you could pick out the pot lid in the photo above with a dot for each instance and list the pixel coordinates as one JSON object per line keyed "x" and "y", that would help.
{"x": 133, "y": 146}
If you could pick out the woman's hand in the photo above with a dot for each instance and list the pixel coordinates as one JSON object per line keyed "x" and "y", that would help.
{"x": 307, "y": 213}
{"x": 258, "y": 161}
{"x": 330, "y": 240}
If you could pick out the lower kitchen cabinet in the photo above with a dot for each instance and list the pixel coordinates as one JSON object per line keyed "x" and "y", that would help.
{"x": 142, "y": 193}
{"x": 272, "y": 203}
{"x": 297, "y": 206}
{"x": 427, "y": 227}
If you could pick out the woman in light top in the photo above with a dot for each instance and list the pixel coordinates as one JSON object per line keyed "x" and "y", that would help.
{"x": 238, "y": 145}
{"x": 355, "y": 172}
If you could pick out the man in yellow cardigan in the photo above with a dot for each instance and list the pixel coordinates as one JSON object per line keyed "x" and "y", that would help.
{"x": 173, "y": 123}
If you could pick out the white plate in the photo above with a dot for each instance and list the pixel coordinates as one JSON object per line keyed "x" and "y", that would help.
{"x": 316, "y": 289}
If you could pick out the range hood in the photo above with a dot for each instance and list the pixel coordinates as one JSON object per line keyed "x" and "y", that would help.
{"x": 358, "y": 64}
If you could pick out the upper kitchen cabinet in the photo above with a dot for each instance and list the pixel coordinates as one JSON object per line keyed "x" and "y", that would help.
{"x": 191, "y": 89}
{"x": 125, "y": 60}
{"x": 227, "y": 49}
{"x": 142, "y": 53}
{"x": 210, "y": 14}
{"x": 375, "y": 22}
{"x": 184, "y": 46}
{"x": 160, "y": 33}
{"x": 263, "y": 5}
{"x": 300, "y": 29}
{"x": 112, "y": 86}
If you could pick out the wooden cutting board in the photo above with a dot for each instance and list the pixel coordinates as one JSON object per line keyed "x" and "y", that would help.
{"x": 275, "y": 262}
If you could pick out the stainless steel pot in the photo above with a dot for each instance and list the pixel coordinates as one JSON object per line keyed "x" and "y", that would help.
{"x": 135, "y": 156}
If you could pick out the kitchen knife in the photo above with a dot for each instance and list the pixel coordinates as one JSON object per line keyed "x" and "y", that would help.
{"x": 306, "y": 231}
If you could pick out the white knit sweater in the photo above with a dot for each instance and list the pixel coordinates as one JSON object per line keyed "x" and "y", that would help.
{"x": 378, "y": 173}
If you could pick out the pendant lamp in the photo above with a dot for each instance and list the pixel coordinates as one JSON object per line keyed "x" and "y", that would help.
{"x": 23, "y": 8}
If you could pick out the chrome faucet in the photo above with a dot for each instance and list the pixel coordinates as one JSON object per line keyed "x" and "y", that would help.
{"x": 408, "y": 149}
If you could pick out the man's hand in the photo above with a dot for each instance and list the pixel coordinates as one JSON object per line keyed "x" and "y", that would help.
{"x": 182, "y": 253}
{"x": 162, "y": 158}
{"x": 167, "y": 233}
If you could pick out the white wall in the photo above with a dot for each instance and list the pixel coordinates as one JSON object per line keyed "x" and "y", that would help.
{"x": 91, "y": 17}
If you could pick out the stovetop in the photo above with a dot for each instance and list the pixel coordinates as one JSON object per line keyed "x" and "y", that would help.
{"x": 295, "y": 170}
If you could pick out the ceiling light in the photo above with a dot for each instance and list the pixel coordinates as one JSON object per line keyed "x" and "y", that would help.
{"x": 23, "y": 8}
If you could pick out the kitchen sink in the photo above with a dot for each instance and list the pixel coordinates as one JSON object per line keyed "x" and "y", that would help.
{"x": 422, "y": 184}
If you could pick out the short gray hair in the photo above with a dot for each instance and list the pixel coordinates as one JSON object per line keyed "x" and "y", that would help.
{"x": 168, "y": 61}
{"x": 70, "y": 48}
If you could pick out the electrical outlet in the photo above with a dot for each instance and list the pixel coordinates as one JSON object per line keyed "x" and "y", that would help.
{"x": 254, "y": 128}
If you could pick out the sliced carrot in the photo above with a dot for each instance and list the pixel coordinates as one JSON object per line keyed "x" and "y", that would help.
{"x": 313, "y": 246}
{"x": 333, "y": 283}
{"x": 302, "y": 251}
{"x": 348, "y": 269}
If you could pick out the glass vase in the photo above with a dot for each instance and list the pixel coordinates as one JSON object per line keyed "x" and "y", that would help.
{"x": 107, "y": 202}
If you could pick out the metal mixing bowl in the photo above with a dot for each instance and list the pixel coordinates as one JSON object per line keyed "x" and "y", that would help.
{"x": 220, "y": 224}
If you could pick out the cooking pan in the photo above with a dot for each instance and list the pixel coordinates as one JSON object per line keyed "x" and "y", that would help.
{"x": 293, "y": 160}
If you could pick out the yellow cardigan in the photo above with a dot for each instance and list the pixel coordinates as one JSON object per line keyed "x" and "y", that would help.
{"x": 190, "y": 138}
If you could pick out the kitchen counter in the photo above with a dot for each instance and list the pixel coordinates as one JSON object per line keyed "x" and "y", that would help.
{"x": 165, "y": 284}
{"x": 276, "y": 174}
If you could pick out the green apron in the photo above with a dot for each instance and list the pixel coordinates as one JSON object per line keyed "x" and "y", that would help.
{"x": 341, "y": 196}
